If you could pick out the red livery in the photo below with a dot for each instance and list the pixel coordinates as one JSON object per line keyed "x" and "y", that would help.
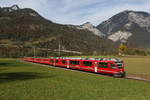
{"x": 111, "y": 66}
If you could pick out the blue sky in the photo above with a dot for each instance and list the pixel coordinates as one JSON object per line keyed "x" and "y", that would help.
{"x": 79, "y": 11}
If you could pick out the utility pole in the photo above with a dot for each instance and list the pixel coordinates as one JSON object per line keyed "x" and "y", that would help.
{"x": 34, "y": 52}
{"x": 59, "y": 49}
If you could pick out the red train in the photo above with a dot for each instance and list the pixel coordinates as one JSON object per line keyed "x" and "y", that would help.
{"x": 111, "y": 66}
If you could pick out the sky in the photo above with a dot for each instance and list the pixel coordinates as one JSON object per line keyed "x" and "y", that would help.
{"x": 78, "y": 12}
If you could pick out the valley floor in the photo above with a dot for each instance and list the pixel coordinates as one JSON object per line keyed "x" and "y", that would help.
{"x": 24, "y": 81}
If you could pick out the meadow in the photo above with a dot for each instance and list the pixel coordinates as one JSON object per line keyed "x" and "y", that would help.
{"x": 25, "y": 81}
{"x": 136, "y": 66}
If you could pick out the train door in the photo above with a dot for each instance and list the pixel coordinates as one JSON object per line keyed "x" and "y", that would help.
{"x": 68, "y": 64}
{"x": 56, "y": 62}
{"x": 63, "y": 63}
{"x": 95, "y": 67}
{"x": 51, "y": 61}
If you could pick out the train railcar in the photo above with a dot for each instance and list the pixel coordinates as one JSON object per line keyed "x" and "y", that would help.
{"x": 111, "y": 66}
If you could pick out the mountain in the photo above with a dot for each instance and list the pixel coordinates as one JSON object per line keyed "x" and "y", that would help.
{"x": 91, "y": 28}
{"x": 88, "y": 26}
{"x": 130, "y": 27}
{"x": 21, "y": 30}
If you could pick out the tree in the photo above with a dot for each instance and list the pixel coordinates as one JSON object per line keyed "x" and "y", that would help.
{"x": 122, "y": 49}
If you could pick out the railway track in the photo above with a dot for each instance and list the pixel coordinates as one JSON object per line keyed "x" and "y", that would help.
{"x": 137, "y": 78}
{"x": 127, "y": 77}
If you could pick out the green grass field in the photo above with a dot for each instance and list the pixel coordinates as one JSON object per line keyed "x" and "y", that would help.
{"x": 137, "y": 66}
{"x": 24, "y": 81}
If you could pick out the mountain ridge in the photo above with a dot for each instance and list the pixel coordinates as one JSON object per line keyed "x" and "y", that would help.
{"x": 21, "y": 30}
{"x": 24, "y": 29}
{"x": 131, "y": 27}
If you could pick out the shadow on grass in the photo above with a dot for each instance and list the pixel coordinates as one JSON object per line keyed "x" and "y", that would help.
{"x": 9, "y": 64}
{"x": 18, "y": 76}
{"x": 2, "y": 64}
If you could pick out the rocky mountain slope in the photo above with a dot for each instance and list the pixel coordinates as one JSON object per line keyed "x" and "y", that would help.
{"x": 25, "y": 28}
{"x": 91, "y": 28}
{"x": 131, "y": 27}
{"x": 88, "y": 26}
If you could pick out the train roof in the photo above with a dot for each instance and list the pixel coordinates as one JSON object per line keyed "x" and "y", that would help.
{"x": 81, "y": 58}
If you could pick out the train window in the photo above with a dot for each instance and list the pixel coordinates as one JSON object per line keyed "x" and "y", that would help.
{"x": 64, "y": 61}
{"x": 56, "y": 61}
{"x": 87, "y": 63}
{"x": 112, "y": 66}
{"x": 51, "y": 61}
{"x": 103, "y": 65}
{"x": 120, "y": 65}
{"x": 74, "y": 62}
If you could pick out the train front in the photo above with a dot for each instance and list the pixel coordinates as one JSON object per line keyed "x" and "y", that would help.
{"x": 120, "y": 68}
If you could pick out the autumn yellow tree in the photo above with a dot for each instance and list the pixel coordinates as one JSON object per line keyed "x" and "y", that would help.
{"x": 122, "y": 49}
